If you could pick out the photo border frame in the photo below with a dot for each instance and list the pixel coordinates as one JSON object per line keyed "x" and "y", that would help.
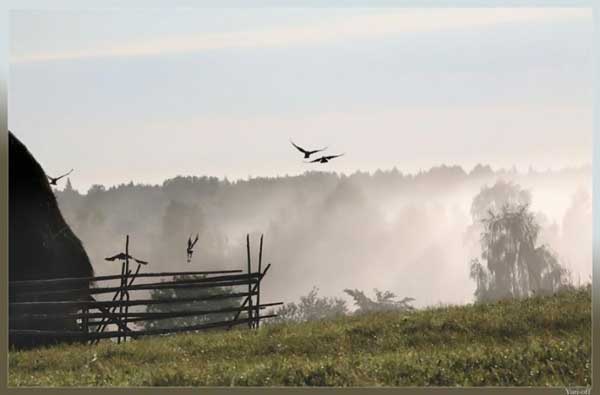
{"x": 10, "y": 5}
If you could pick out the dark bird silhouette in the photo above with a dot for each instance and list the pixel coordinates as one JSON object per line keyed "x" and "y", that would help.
{"x": 53, "y": 180}
{"x": 325, "y": 159}
{"x": 307, "y": 153}
{"x": 122, "y": 256}
{"x": 190, "y": 247}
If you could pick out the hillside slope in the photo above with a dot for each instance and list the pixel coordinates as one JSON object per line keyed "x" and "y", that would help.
{"x": 543, "y": 341}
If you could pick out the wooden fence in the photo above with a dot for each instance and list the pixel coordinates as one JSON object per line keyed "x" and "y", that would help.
{"x": 34, "y": 305}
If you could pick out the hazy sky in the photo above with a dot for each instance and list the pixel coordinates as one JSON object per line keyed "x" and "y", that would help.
{"x": 147, "y": 95}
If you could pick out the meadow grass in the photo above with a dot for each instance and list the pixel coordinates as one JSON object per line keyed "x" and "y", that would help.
{"x": 541, "y": 341}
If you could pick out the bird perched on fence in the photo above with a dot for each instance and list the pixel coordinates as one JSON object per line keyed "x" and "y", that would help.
{"x": 190, "y": 247}
{"x": 307, "y": 153}
{"x": 122, "y": 256}
{"x": 325, "y": 159}
{"x": 53, "y": 180}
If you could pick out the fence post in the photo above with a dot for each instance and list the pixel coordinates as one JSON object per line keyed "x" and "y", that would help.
{"x": 121, "y": 300}
{"x": 125, "y": 281}
{"x": 260, "y": 250}
{"x": 85, "y": 323}
{"x": 249, "y": 282}
{"x": 123, "y": 284}
{"x": 248, "y": 297}
{"x": 103, "y": 323}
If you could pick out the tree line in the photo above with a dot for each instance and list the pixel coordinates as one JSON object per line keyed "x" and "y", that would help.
{"x": 335, "y": 228}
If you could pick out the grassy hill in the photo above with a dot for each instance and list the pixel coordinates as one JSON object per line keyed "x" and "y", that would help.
{"x": 542, "y": 341}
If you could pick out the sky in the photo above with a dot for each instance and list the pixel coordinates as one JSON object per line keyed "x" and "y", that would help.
{"x": 145, "y": 95}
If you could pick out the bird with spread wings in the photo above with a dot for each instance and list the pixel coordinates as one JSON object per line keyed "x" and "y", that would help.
{"x": 122, "y": 256}
{"x": 190, "y": 247}
{"x": 325, "y": 159}
{"x": 53, "y": 180}
{"x": 307, "y": 153}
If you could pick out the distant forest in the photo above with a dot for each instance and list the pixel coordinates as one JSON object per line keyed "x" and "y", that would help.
{"x": 407, "y": 233}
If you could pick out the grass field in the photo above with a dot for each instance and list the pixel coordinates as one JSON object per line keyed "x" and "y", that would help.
{"x": 544, "y": 341}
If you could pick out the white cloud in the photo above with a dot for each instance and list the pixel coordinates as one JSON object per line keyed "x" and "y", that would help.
{"x": 392, "y": 22}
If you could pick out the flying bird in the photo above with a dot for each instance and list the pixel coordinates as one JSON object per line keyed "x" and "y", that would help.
{"x": 325, "y": 159}
{"x": 307, "y": 153}
{"x": 54, "y": 180}
{"x": 122, "y": 256}
{"x": 190, "y": 247}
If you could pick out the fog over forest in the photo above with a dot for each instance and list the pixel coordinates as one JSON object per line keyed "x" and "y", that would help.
{"x": 407, "y": 233}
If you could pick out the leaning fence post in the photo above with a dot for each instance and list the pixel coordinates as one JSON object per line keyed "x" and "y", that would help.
{"x": 125, "y": 281}
{"x": 257, "y": 324}
{"x": 249, "y": 282}
{"x": 103, "y": 323}
{"x": 261, "y": 275}
{"x": 123, "y": 284}
{"x": 121, "y": 299}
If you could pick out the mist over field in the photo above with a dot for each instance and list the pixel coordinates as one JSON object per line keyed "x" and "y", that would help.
{"x": 407, "y": 233}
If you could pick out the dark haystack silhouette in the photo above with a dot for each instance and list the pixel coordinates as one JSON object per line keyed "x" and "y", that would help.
{"x": 325, "y": 159}
{"x": 41, "y": 244}
{"x": 307, "y": 153}
{"x": 54, "y": 180}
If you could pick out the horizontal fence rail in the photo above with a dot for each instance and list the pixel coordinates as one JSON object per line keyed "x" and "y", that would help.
{"x": 173, "y": 314}
{"x": 113, "y": 277}
{"x": 38, "y": 307}
{"x": 179, "y": 281}
{"x": 113, "y": 334}
{"x": 130, "y": 303}
{"x": 164, "y": 285}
